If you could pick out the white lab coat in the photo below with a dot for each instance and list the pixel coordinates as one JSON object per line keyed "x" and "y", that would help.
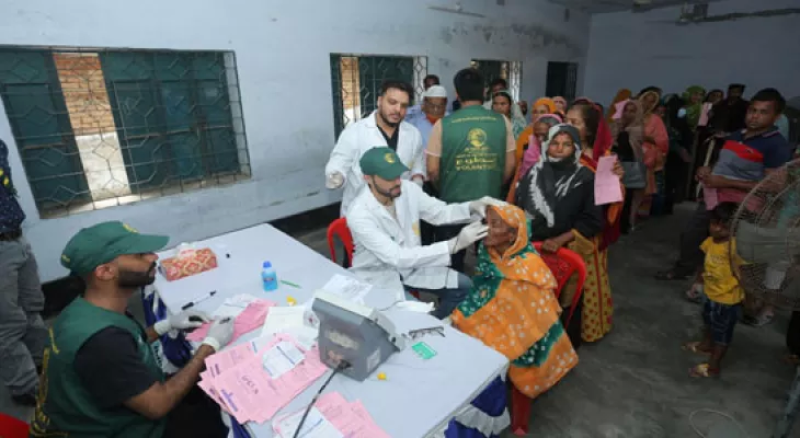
{"x": 362, "y": 136}
{"x": 388, "y": 252}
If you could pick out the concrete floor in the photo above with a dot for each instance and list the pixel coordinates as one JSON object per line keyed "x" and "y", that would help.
{"x": 634, "y": 383}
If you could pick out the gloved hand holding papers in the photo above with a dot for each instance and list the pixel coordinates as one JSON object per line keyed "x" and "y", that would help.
{"x": 259, "y": 382}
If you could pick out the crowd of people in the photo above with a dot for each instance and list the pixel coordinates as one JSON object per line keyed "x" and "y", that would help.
{"x": 423, "y": 185}
{"x": 500, "y": 181}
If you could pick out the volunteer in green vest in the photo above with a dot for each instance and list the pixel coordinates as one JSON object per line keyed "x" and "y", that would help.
{"x": 471, "y": 153}
{"x": 101, "y": 378}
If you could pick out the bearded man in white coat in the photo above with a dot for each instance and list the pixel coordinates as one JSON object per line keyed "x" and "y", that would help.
{"x": 384, "y": 127}
{"x": 384, "y": 220}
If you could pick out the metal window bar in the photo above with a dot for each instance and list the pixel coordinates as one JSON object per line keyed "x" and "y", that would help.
{"x": 515, "y": 79}
{"x": 491, "y": 70}
{"x": 98, "y": 127}
{"x": 562, "y": 79}
{"x": 356, "y": 80}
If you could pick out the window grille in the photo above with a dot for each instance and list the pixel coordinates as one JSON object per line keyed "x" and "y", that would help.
{"x": 356, "y": 81}
{"x": 98, "y": 128}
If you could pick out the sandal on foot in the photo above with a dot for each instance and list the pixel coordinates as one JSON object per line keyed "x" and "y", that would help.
{"x": 702, "y": 370}
{"x": 693, "y": 347}
{"x": 670, "y": 275}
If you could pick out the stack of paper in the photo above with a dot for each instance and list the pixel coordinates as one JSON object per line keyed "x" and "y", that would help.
{"x": 250, "y": 319}
{"x": 332, "y": 416}
{"x": 296, "y": 321}
{"x": 253, "y": 381}
{"x": 349, "y": 288}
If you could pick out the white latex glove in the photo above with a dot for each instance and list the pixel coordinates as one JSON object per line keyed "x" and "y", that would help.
{"x": 479, "y": 207}
{"x": 188, "y": 319}
{"x": 468, "y": 235}
{"x": 334, "y": 180}
{"x": 220, "y": 333}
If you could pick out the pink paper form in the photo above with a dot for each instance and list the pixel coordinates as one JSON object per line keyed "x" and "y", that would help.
{"x": 351, "y": 419}
{"x": 228, "y": 358}
{"x": 252, "y": 395}
{"x": 251, "y": 319}
{"x": 607, "y": 188}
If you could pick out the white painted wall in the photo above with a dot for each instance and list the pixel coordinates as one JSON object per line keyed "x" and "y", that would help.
{"x": 282, "y": 49}
{"x": 627, "y": 50}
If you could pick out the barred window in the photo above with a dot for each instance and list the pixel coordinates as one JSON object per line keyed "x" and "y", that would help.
{"x": 511, "y": 71}
{"x": 98, "y": 128}
{"x": 562, "y": 79}
{"x": 356, "y": 82}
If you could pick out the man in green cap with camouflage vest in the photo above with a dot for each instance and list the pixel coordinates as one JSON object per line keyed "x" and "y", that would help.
{"x": 100, "y": 376}
{"x": 384, "y": 220}
{"x": 471, "y": 153}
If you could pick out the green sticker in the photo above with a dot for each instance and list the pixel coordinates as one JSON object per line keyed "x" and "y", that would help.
{"x": 423, "y": 350}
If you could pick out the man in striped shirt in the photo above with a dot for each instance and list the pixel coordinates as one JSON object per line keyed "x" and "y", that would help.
{"x": 746, "y": 158}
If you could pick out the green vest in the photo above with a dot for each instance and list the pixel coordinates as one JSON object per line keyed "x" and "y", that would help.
{"x": 64, "y": 407}
{"x": 473, "y": 155}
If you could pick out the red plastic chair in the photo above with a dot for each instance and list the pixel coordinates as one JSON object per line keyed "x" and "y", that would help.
{"x": 563, "y": 264}
{"x": 338, "y": 228}
{"x": 11, "y": 427}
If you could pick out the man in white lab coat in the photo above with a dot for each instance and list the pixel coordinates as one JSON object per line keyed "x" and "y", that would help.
{"x": 384, "y": 220}
{"x": 384, "y": 127}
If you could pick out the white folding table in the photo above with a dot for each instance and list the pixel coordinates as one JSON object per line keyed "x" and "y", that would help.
{"x": 418, "y": 397}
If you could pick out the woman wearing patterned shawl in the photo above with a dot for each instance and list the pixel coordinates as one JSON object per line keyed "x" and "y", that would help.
{"x": 512, "y": 308}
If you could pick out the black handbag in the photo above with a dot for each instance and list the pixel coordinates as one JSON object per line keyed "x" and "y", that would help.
{"x": 635, "y": 174}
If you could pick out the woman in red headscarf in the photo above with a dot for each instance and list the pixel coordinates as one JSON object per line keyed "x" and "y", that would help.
{"x": 597, "y": 304}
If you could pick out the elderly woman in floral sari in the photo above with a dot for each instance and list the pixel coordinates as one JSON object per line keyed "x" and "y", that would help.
{"x": 513, "y": 309}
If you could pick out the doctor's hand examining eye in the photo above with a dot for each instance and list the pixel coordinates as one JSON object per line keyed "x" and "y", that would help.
{"x": 468, "y": 235}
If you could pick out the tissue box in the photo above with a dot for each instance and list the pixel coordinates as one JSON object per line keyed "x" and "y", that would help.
{"x": 188, "y": 263}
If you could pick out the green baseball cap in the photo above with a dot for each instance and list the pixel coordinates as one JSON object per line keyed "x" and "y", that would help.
{"x": 383, "y": 162}
{"x": 101, "y": 243}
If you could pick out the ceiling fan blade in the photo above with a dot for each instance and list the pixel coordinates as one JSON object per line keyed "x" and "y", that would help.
{"x": 456, "y": 11}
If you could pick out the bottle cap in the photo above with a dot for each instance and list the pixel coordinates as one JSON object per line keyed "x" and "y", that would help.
{"x": 266, "y": 264}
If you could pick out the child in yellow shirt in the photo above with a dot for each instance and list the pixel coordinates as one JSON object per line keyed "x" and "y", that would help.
{"x": 723, "y": 305}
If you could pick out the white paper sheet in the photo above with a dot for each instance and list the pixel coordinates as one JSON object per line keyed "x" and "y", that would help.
{"x": 281, "y": 358}
{"x": 305, "y": 336}
{"x": 280, "y": 319}
{"x": 233, "y": 306}
{"x": 348, "y": 287}
{"x": 315, "y": 426}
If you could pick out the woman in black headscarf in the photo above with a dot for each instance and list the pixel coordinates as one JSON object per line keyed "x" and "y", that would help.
{"x": 557, "y": 195}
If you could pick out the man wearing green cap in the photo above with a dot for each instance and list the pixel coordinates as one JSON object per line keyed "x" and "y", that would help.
{"x": 100, "y": 375}
{"x": 384, "y": 220}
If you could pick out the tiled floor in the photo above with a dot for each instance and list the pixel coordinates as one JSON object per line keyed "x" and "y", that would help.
{"x": 634, "y": 383}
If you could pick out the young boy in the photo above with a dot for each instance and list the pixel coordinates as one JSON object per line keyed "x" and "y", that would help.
{"x": 723, "y": 305}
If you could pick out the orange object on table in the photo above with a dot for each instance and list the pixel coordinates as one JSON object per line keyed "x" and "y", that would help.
{"x": 188, "y": 263}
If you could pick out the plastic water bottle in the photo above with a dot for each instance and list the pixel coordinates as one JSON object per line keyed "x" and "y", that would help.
{"x": 269, "y": 277}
